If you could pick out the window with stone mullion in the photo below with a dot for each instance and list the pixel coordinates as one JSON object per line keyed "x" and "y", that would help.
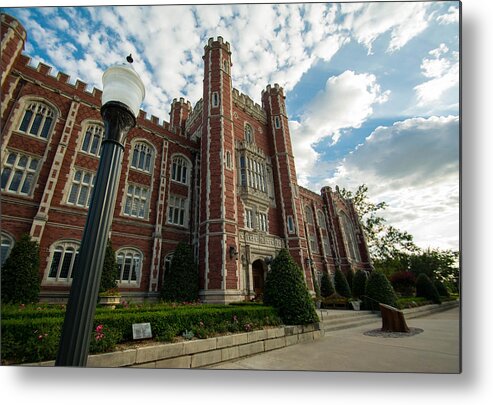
{"x": 18, "y": 173}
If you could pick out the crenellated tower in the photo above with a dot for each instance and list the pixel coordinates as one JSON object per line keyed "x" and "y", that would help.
{"x": 180, "y": 110}
{"x": 13, "y": 41}
{"x": 287, "y": 193}
{"x": 218, "y": 229}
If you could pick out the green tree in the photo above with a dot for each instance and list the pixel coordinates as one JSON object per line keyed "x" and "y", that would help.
{"x": 20, "y": 273}
{"x": 285, "y": 290}
{"x": 326, "y": 287}
{"x": 341, "y": 285}
{"x": 110, "y": 270}
{"x": 426, "y": 289}
{"x": 359, "y": 283}
{"x": 379, "y": 289}
{"x": 181, "y": 281}
{"x": 440, "y": 265}
{"x": 384, "y": 241}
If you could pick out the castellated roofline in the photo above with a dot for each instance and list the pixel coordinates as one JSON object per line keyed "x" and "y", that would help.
{"x": 182, "y": 101}
{"x": 94, "y": 93}
{"x": 246, "y": 102}
{"x": 273, "y": 90}
{"x": 211, "y": 43}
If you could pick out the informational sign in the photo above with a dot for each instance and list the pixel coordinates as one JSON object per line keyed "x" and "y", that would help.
{"x": 141, "y": 331}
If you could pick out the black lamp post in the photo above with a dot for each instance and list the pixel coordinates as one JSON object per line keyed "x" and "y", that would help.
{"x": 123, "y": 92}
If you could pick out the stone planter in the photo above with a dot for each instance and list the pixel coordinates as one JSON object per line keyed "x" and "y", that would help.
{"x": 110, "y": 301}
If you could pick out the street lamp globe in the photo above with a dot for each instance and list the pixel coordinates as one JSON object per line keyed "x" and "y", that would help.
{"x": 121, "y": 84}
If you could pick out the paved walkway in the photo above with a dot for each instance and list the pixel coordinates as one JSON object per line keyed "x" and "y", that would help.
{"x": 435, "y": 350}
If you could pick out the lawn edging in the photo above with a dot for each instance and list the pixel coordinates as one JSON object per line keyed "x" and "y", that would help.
{"x": 199, "y": 353}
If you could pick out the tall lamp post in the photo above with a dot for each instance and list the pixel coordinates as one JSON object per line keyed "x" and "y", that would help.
{"x": 123, "y": 93}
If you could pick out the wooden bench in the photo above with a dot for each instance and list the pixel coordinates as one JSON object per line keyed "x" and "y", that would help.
{"x": 393, "y": 319}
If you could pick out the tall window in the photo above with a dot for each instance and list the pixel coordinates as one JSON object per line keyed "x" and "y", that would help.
{"x": 277, "y": 122}
{"x": 92, "y": 139}
{"x": 215, "y": 99}
{"x": 81, "y": 190}
{"x": 262, "y": 221}
{"x": 309, "y": 215}
{"x": 248, "y": 133}
{"x": 290, "y": 224}
{"x": 321, "y": 219}
{"x": 349, "y": 238}
{"x": 249, "y": 218}
{"x": 63, "y": 261}
{"x": 253, "y": 174}
{"x": 136, "y": 201}
{"x": 7, "y": 245}
{"x": 326, "y": 244}
{"x": 142, "y": 157}
{"x": 179, "y": 170}
{"x": 18, "y": 173}
{"x": 177, "y": 206}
{"x": 129, "y": 263}
{"x": 37, "y": 120}
{"x": 167, "y": 262}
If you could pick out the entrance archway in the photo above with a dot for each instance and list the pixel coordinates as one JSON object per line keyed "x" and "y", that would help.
{"x": 258, "y": 275}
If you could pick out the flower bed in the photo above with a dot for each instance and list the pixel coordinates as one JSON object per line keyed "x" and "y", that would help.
{"x": 32, "y": 335}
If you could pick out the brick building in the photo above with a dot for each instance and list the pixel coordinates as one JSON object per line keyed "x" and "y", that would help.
{"x": 220, "y": 176}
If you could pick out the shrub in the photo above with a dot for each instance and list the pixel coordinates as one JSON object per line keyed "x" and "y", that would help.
{"x": 110, "y": 270}
{"x": 441, "y": 289}
{"x": 426, "y": 289}
{"x": 36, "y": 339}
{"x": 341, "y": 285}
{"x": 349, "y": 278}
{"x": 404, "y": 282}
{"x": 359, "y": 283}
{"x": 379, "y": 289}
{"x": 20, "y": 273}
{"x": 326, "y": 287}
{"x": 181, "y": 281}
{"x": 285, "y": 290}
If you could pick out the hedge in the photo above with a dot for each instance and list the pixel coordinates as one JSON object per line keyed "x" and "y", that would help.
{"x": 36, "y": 339}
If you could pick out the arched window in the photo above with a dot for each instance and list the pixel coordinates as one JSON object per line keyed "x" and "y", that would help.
{"x": 129, "y": 263}
{"x": 309, "y": 215}
{"x": 180, "y": 169}
{"x": 37, "y": 120}
{"x": 63, "y": 261}
{"x": 321, "y": 219}
{"x": 19, "y": 171}
{"x": 167, "y": 262}
{"x": 142, "y": 157}
{"x": 349, "y": 238}
{"x": 93, "y": 139}
{"x": 248, "y": 133}
{"x": 7, "y": 245}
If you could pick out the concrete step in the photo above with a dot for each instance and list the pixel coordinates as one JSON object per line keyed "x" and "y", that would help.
{"x": 349, "y": 323}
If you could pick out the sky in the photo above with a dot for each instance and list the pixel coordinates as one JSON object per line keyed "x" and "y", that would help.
{"x": 372, "y": 89}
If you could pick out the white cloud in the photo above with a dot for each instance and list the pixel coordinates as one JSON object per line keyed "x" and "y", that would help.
{"x": 346, "y": 102}
{"x": 443, "y": 71}
{"x": 413, "y": 166}
{"x": 451, "y": 17}
{"x": 368, "y": 21}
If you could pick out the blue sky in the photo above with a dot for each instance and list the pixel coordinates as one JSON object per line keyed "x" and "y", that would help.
{"x": 372, "y": 89}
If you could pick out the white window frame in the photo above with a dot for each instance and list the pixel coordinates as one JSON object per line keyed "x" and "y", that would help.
{"x": 290, "y": 224}
{"x": 142, "y": 158}
{"x": 135, "y": 264}
{"x": 93, "y": 139}
{"x": 138, "y": 201}
{"x": 249, "y": 218}
{"x": 321, "y": 219}
{"x": 167, "y": 262}
{"x": 8, "y": 243}
{"x": 62, "y": 247}
{"x": 215, "y": 99}
{"x": 228, "y": 160}
{"x": 277, "y": 122}
{"x": 180, "y": 169}
{"x": 262, "y": 222}
{"x": 42, "y": 115}
{"x": 85, "y": 184}
{"x": 23, "y": 173}
{"x": 177, "y": 213}
{"x": 248, "y": 134}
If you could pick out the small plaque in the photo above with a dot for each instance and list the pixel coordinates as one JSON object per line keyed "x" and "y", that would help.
{"x": 141, "y": 331}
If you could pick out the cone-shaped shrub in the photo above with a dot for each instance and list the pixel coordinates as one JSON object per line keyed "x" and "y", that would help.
{"x": 285, "y": 290}
{"x": 326, "y": 287}
{"x": 426, "y": 289}
{"x": 110, "y": 270}
{"x": 341, "y": 285}
{"x": 181, "y": 281}
{"x": 359, "y": 283}
{"x": 20, "y": 273}
{"x": 349, "y": 278}
{"x": 379, "y": 289}
{"x": 442, "y": 290}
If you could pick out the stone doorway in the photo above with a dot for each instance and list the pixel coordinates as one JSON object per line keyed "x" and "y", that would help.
{"x": 258, "y": 275}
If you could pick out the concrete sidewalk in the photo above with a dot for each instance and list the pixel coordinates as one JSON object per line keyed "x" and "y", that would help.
{"x": 435, "y": 350}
